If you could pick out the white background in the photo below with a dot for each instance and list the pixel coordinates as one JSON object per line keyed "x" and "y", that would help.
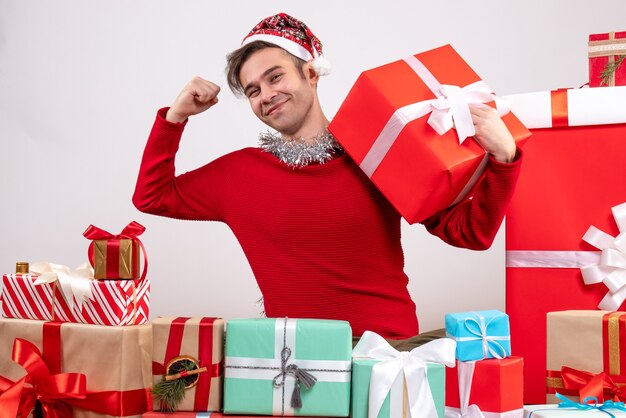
{"x": 81, "y": 80}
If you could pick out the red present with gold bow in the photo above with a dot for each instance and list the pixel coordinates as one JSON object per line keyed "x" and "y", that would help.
{"x": 606, "y": 59}
{"x": 190, "y": 341}
{"x": 396, "y": 123}
{"x": 74, "y": 370}
{"x": 573, "y": 178}
{"x": 584, "y": 357}
{"x": 116, "y": 256}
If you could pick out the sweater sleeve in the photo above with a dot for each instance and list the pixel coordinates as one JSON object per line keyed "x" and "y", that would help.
{"x": 195, "y": 195}
{"x": 474, "y": 222}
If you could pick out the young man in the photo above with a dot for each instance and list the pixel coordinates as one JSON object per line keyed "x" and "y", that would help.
{"x": 322, "y": 241}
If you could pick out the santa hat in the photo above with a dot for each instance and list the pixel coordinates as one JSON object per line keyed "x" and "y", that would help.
{"x": 293, "y": 36}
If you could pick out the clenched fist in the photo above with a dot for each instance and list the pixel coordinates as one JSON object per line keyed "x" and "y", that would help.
{"x": 492, "y": 134}
{"x": 197, "y": 96}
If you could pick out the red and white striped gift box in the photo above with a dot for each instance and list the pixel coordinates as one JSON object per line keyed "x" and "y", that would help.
{"x": 114, "y": 302}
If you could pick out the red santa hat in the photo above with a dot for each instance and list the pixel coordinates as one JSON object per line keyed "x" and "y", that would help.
{"x": 293, "y": 36}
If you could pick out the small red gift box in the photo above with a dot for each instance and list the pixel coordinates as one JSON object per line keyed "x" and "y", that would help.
{"x": 199, "y": 339}
{"x": 606, "y": 55}
{"x": 573, "y": 176}
{"x": 495, "y": 386}
{"x": 395, "y": 123}
{"x": 116, "y": 256}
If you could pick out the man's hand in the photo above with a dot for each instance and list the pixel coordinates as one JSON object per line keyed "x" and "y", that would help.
{"x": 197, "y": 96}
{"x": 492, "y": 134}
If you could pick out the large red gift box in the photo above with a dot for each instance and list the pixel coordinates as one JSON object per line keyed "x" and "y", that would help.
{"x": 607, "y": 49}
{"x": 386, "y": 125}
{"x": 112, "y": 302}
{"x": 495, "y": 387}
{"x": 77, "y": 370}
{"x": 573, "y": 176}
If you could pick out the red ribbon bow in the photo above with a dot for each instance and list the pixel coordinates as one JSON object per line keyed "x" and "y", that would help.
{"x": 131, "y": 231}
{"x": 587, "y": 384}
{"x": 54, "y": 391}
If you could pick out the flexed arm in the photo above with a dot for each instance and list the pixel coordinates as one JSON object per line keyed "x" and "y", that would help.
{"x": 193, "y": 195}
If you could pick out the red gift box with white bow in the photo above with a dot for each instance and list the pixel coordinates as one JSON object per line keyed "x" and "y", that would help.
{"x": 565, "y": 215}
{"x": 407, "y": 125}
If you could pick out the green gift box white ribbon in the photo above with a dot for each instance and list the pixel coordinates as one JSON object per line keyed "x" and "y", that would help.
{"x": 387, "y": 383}
{"x": 269, "y": 361}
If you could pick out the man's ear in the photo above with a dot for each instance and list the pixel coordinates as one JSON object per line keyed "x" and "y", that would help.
{"x": 310, "y": 73}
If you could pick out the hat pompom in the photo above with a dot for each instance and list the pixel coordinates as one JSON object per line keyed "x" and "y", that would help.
{"x": 321, "y": 65}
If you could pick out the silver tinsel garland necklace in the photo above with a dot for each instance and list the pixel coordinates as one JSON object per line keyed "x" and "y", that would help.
{"x": 299, "y": 152}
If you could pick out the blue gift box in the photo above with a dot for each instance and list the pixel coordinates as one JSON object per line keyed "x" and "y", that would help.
{"x": 480, "y": 334}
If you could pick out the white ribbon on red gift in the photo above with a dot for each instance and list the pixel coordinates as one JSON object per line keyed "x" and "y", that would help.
{"x": 450, "y": 109}
{"x": 465, "y": 370}
{"x": 408, "y": 365}
{"x": 75, "y": 285}
{"x": 611, "y": 268}
{"x": 607, "y": 266}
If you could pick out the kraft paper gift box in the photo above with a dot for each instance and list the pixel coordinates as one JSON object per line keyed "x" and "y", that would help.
{"x": 585, "y": 355}
{"x": 479, "y": 335}
{"x": 385, "y": 381}
{"x": 199, "y": 339}
{"x": 114, "y": 363}
{"x": 270, "y": 361}
{"x": 573, "y": 177}
{"x": 494, "y": 386}
{"x": 54, "y": 296}
{"x": 116, "y": 256}
{"x": 383, "y": 124}
{"x": 606, "y": 52}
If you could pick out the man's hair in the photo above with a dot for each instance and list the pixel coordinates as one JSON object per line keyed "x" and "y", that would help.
{"x": 236, "y": 59}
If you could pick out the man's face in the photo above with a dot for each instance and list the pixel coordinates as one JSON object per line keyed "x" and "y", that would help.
{"x": 280, "y": 95}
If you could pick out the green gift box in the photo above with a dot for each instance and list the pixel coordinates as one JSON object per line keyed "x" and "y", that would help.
{"x": 280, "y": 366}
{"x": 387, "y": 383}
{"x": 395, "y": 400}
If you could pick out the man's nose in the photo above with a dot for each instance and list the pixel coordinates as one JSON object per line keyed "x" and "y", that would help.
{"x": 267, "y": 94}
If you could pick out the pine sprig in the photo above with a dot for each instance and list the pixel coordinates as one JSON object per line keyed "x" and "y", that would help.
{"x": 609, "y": 69}
{"x": 171, "y": 393}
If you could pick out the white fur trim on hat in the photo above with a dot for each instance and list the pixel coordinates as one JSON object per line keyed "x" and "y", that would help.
{"x": 286, "y": 44}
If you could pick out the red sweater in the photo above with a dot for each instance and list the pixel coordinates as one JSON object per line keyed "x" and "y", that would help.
{"x": 321, "y": 240}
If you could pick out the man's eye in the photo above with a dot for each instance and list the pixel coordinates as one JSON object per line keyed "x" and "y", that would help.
{"x": 253, "y": 93}
{"x": 275, "y": 77}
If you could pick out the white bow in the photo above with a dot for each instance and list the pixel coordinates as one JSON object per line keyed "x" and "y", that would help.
{"x": 611, "y": 269}
{"x": 75, "y": 284}
{"x": 412, "y": 364}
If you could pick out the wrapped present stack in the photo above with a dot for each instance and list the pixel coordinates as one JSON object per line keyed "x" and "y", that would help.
{"x": 72, "y": 345}
{"x": 487, "y": 379}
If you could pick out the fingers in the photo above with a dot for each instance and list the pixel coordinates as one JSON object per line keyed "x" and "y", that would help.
{"x": 196, "y": 97}
{"x": 204, "y": 91}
